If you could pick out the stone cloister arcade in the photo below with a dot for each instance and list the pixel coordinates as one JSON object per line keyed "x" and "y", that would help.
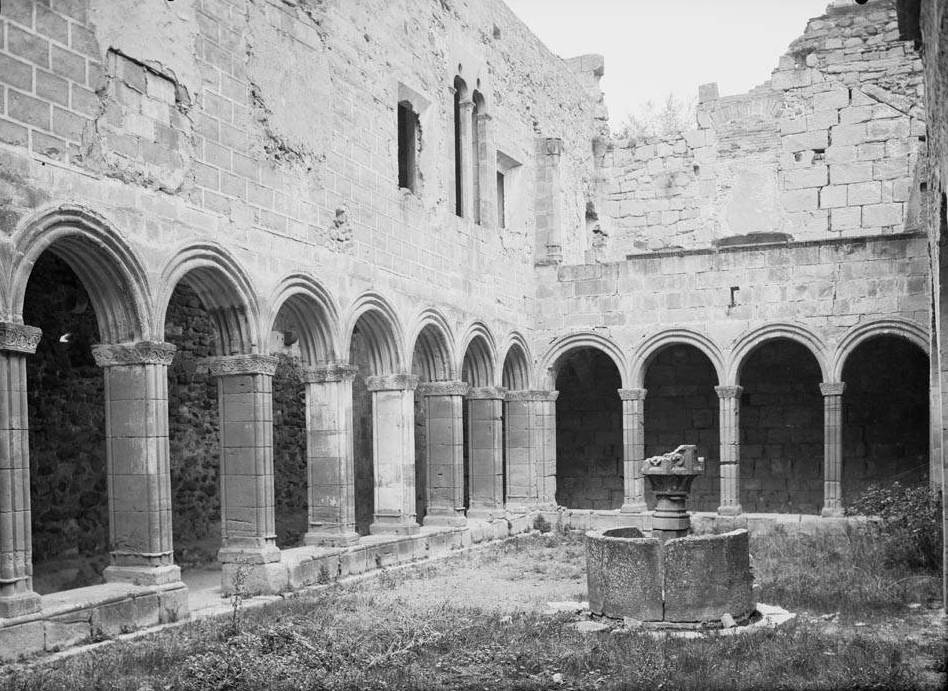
{"x": 392, "y": 405}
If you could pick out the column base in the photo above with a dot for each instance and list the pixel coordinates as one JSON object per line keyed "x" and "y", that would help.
{"x": 143, "y": 575}
{"x": 385, "y": 525}
{"x": 254, "y": 579}
{"x": 484, "y": 513}
{"x": 19, "y": 605}
{"x": 448, "y": 518}
{"x": 832, "y": 512}
{"x": 634, "y": 507}
{"x": 330, "y": 538}
{"x": 730, "y": 510}
{"x": 248, "y": 554}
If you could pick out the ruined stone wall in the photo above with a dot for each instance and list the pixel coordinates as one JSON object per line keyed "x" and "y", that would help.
{"x": 826, "y": 289}
{"x": 270, "y": 128}
{"x": 829, "y": 147}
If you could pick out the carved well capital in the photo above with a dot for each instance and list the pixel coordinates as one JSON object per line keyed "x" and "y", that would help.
{"x": 632, "y": 394}
{"x": 391, "y": 382}
{"x": 497, "y": 393}
{"x": 532, "y": 395}
{"x": 729, "y": 391}
{"x": 322, "y": 374}
{"x": 444, "y": 388}
{"x": 228, "y": 365}
{"x": 19, "y": 338}
{"x": 832, "y": 388}
{"x": 141, "y": 353}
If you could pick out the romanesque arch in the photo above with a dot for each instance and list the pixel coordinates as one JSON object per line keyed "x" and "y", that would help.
{"x": 515, "y": 369}
{"x": 778, "y": 372}
{"x": 302, "y": 303}
{"x": 910, "y": 331}
{"x": 546, "y": 370}
{"x": 743, "y": 346}
{"x": 431, "y": 342}
{"x": 678, "y": 371}
{"x": 478, "y": 355}
{"x": 588, "y": 372}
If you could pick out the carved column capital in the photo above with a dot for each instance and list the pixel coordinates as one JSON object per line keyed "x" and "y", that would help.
{"x": 228, "y": 365}
{"x": 141, "y": 353}
{"x": 832, "y": 388}
{"x": 444, "y": 388}
{"x": 729, "y": 391}
{"x": 392, "y": 382}
{"x": 19, "y": 338}
{"x": 532, "y": 395}
{"x": 487, "y": 393}
{"x": 632, "y": 394}
{"x": 335, "y": 371}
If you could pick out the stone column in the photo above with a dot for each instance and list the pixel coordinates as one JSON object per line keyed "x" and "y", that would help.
{"x": 444, "y": 435}
{"x": 832, "y": 447}
{"x": 730, "y": 408}
{"x": 329, "y": 455}
{"x": 393, "y": 452}
{"x": 486, "y": 171}
{"x": 245, "y": 395}
{"x": 16, "y": 552}
{"x": 633, "y": 448}
{"x": 138, "y": 461}
{"x": 485, "y": 452}
{"x": 465, "y": 127}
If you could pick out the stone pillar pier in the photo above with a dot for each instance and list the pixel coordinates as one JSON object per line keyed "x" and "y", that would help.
{"x": 138, "y": 461}
{"x": 832, "y": 447}
{"x": 248, "y": 530}
{"x": 329, "y": 455}
{"x": 486, "y": 452}
{"x": 730, "y": 408}
{"x": 444, "y": 434}
{"x": 16, "y": 551}
{"x": 543, "y": 444}
{"x": 633, "y": 449}
{"x": 393, "y": 452}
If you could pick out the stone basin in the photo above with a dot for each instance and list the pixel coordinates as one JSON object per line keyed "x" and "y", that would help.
{"x": 693, "y": 579}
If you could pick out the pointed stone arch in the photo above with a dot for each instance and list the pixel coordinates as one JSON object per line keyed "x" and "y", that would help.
{"x": 431, "y": 343}
{"x": 515, "y": 367}
{"x": 747, "y": 343}
{"x": 224, "y": 289}
{"x": 378, "y": 321}
{"x": 652, "y": 346}
{"x": 546, "y": 373}
{"x": 110, "y": 271}
{"x": 311, "y": 308}
{"x": 478, "y": 354}
{"x": 910, "y": 331}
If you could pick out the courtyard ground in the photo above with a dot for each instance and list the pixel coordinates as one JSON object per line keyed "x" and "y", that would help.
{"x": 481, "y": 619}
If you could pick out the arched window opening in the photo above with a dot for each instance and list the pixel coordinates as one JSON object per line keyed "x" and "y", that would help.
{"x": 478, "y": 148}
{"x": 460, "y": 95}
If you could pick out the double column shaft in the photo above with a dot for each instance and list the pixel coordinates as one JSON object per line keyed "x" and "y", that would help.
{"x": 832, "y": 447}
{"x": 444, "y": 445}
{"x": 729, "y": 402}
{"x": 486, "y": 452}
{"x": 633, "y": 448}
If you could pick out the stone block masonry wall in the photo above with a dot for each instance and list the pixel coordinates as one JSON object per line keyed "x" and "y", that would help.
{"x": 831, "y": 146}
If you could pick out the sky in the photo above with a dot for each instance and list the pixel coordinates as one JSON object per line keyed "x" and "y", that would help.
{"x": 653, "y": 47}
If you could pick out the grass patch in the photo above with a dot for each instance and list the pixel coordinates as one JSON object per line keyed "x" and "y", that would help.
{"x": 350, "y": 639}
{"x": 383, "y": 634}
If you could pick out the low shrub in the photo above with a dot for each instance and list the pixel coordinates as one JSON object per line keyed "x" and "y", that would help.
{"x": 910, "y": 523}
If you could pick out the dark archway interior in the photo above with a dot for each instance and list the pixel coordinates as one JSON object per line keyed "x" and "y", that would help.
{"x": 885, "y": 415}
{"x": 588, "y": 431}
{"x": 290, "y": 468}
{"x": 362, "y": 433}
{"x": 781, "y": 422}
{"x": 193, "y": 431}
{"x": 681, "y": 407}
{"x": 66, "y": 402}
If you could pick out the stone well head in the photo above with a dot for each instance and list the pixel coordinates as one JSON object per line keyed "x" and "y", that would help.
{"x": 670, "y": 476}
